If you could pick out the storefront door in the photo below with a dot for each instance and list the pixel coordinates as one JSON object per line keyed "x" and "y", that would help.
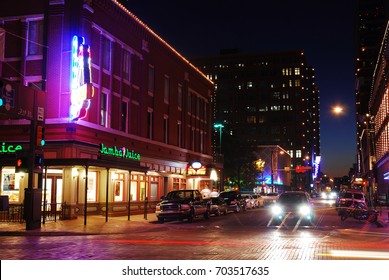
{"x": 53, "y": 192}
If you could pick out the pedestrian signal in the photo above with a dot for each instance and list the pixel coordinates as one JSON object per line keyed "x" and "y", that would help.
{"x": 38, "y": 162}
{"x": 21, "y": 164}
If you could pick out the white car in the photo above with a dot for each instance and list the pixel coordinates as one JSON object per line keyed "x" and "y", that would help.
{"x": 270, "y": 198}
{"x": 259, "y": 201}
{"x": 250, "y": 201}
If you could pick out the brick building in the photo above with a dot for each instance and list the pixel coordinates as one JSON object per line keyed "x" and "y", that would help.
{"x": 123, "y": 110}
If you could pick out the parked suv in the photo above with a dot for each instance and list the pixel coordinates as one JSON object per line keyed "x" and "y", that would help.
{"x": 347, "y": 197}
{"x": 235, "y": 201}
{"x": 182, "y": 204}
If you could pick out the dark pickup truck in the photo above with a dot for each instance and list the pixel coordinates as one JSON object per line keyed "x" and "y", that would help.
{"x": 182, "y": 204}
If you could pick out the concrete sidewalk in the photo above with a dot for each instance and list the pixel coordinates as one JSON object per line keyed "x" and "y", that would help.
{"x": 95, "y": 224}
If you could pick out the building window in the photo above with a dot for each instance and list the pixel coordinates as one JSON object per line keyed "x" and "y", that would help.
{"x": 166, "y": 129}
{"x": 179, "y": 96}
{"x": 150, "y": 82}
{"x": 103, "y": 109}
{"x": 126, "y": 65}
{"x": 124, "y": 118}
{"x": 118, "y": 188}
{"x": 179, "y": 134}
{"x": 35, "y": 37}
{"x": 296, "y": 83}
{"x": 166, "y": 89}
{"x": 36, "y": 85}
{"x": 201, "y": 142}
{"x": 297, "y": 71}
{"x": 251, "y": 119}
{"x": 189, "y": 103}
{"x": 192, "y": 137}
{"x": 205, "y": 112}
{"x": 150, "y": 123}
{"x": 106, "y": 53}
{"x": 92, "y": 187}
{"x": 198, "y": 107}
{"x": 298, "y": 153}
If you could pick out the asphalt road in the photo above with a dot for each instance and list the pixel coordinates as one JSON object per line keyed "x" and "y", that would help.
{"x": 235, "y": 236}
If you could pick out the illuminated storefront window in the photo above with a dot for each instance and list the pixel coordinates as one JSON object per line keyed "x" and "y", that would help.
{"x": 92, "y": 187}
{"x": 10, "y": 184}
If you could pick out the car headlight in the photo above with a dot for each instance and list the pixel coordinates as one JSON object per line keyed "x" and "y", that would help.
{"x": 305, "y": 210}
{"x": 276, "y": 210}
{"x": 323, "y": 195}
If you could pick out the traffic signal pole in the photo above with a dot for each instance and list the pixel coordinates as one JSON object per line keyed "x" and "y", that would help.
{"x": 33, "y": 192}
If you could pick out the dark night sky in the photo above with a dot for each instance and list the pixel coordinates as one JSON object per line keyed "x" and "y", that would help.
{"x": 323, "y": 29}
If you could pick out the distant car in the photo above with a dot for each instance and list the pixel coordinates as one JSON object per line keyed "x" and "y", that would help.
{"x": 293, "y": 204}
{"x": 259, "y": 201}
{"x": 348, "y": 197}
{"x": 269, "y": 197}
{"x": 235, "y": 201}
{"x": 217, "y": 206}
{"x": 182, "y": 204}
{"x": 328, "y": 195}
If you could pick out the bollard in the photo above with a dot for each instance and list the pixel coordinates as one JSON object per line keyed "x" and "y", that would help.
{"x": 145, "y": 209}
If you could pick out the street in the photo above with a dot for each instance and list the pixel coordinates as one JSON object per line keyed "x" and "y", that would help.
{"x": 235, "y": 236}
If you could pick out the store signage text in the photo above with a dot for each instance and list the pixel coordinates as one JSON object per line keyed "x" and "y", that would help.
{"x": 119, "y": 152}
{"x": 196, "y": 168}
{"x": 5, "y": 149}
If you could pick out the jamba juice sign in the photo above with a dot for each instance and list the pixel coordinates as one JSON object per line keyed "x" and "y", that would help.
{"x": 9, "y": 149}
{"x": 119, "y": 152}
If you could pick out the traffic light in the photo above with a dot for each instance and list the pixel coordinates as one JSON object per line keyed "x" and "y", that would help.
{"x": 300, "y": 169}
{"x": 40, "y": 136}
{"x": 21, "y": 164}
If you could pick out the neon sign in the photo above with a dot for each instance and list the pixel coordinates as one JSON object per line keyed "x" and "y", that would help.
{"x": 81, "y": 79}
{"x": 196, "y": 168}
{"x": 5, "y": 149}
{"x": 119, "y": 152}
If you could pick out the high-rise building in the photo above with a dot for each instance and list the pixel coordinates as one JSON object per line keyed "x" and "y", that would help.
{"x": 371, "y": 20}
{"x": 265, "y": 99}
{"x": 378, "y": 129}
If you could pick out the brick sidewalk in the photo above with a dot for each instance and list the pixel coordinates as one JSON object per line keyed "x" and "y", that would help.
{"x": 94, "y": 225}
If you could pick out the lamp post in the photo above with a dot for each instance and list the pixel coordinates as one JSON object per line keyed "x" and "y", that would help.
{"x": 220, "y": 127}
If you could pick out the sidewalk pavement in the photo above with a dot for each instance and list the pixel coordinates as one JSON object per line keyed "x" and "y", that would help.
{"x": 95, "y": 224}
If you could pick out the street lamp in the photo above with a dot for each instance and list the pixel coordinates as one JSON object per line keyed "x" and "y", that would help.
{"x": 220, "y": 127}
